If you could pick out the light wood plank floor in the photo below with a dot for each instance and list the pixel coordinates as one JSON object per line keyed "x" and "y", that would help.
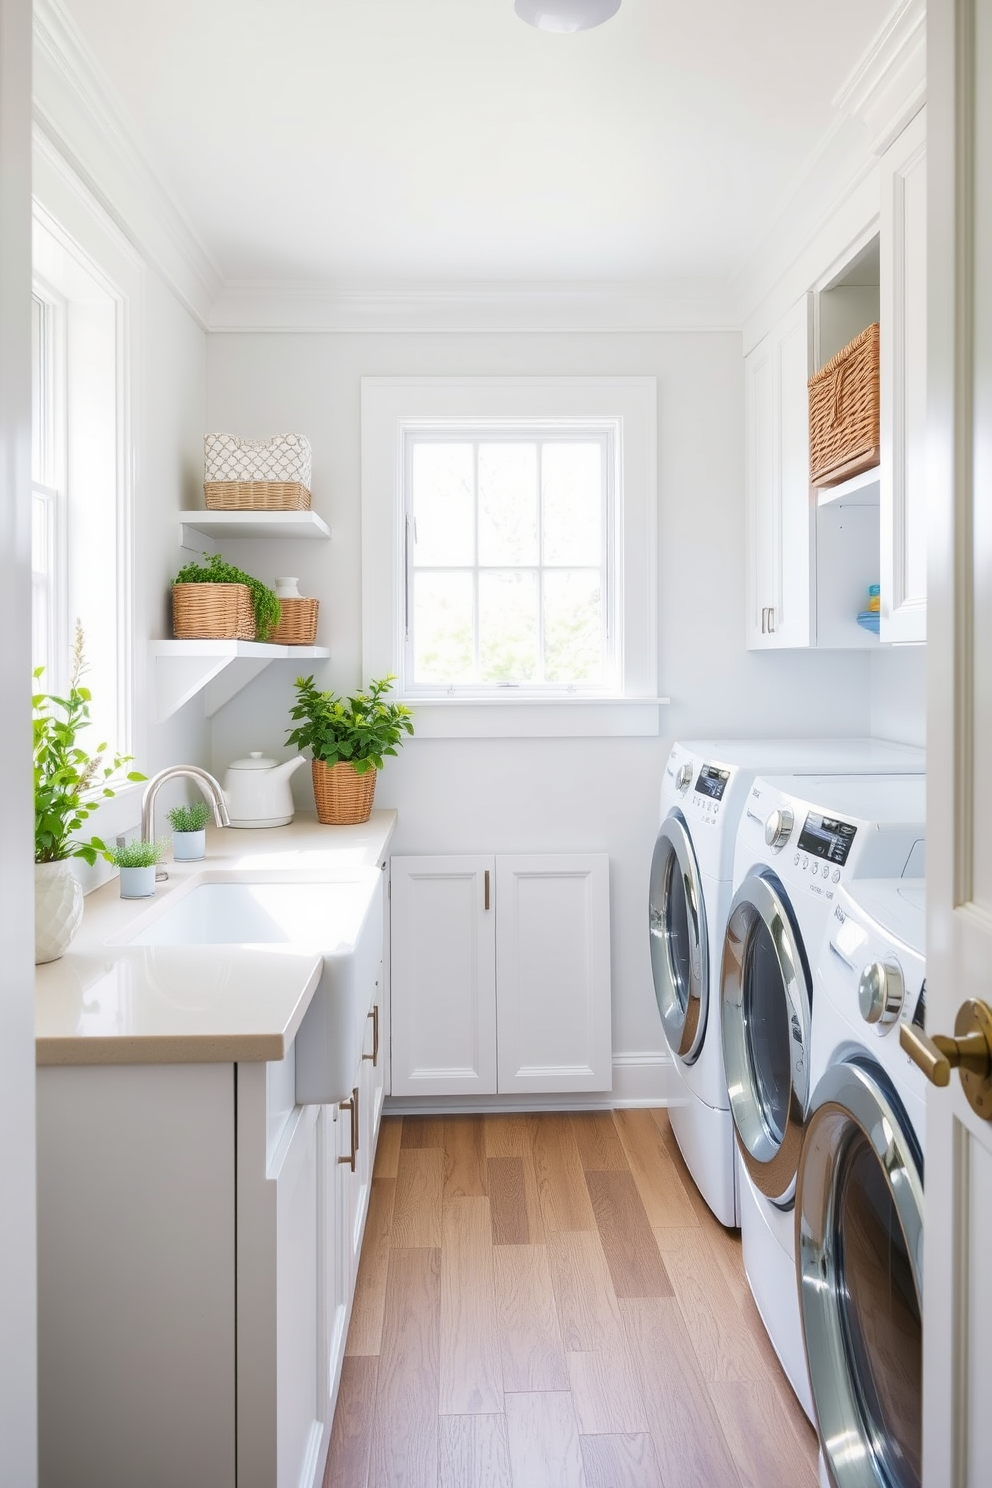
{"x": 546, "y": 1302}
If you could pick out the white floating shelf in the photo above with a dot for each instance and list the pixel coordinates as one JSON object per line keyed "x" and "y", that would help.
{"x": 860, "y": 490}
{"x": 196, "y": 525}
{"x": 218, "y": 669}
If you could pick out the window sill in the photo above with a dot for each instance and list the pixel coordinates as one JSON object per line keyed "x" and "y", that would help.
{"x": 535, "y": 718}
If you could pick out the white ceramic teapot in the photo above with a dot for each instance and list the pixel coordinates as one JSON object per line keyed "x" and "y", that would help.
{"x": 257, "y": 791}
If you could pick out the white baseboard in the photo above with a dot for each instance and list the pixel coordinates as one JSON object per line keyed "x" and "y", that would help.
{"x": 642, "y": 1079}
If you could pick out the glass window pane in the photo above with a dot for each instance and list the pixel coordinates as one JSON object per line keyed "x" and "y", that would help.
{"x": 443, "y": 630}
{"x": 507, "y": 626}
{"x": 573, "y": 626}
{"x": 572, "y": 502}
{"x": 38, "y": 471}
{"x": 443, "y": 504}
{"x": 508, "y": 503}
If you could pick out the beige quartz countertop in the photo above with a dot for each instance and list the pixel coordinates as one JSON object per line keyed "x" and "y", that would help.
{"x": 107, "y": 1003}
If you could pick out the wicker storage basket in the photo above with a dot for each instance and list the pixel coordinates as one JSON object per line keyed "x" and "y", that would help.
{"x": 256, "y": 496}
{"x": 297, "y": 623}
{"x": 343, "y": 798}
{"x": 843, "y": 413}
{"x": 213, "y": 612}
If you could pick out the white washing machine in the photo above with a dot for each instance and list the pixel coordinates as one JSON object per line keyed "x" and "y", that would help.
{"x": 703, "y": 794}
{"x": 798, "y": 843}
{"x": 859, "y": 1191}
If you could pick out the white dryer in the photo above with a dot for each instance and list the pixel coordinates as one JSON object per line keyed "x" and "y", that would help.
{"x": 703, "y": 794}
{"x": 859, "y": 1191}
{"x": 799, "y": 842}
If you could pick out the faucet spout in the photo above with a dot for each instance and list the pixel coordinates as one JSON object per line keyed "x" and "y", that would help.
{"x": 208, "y": 785}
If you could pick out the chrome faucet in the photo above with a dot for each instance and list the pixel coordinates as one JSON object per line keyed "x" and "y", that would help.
{"x": 208, "y": 785}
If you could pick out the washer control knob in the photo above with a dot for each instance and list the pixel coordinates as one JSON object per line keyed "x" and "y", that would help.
{"x": 778, "y": 826}
{"x": 684, "y": 777}
{"x": 880, "y": 992}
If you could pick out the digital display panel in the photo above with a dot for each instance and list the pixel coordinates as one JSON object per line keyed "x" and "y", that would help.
{"x": 712, "y": 782}
{"x": 826, "y": 838}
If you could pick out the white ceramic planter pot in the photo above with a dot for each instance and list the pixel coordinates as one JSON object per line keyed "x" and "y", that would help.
{"x": 58, "y": 909}
{"x": 137, "y": 883}
{"x": 187, "y": 847}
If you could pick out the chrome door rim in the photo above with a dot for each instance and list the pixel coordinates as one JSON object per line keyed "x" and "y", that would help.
{"x": 684, "y": 1027}
{"x": 848, "y": 1099}
{"x": 771, "y": 1162}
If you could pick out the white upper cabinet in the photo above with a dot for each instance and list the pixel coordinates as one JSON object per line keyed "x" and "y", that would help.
{"x": 780, "y": 530}
{"x": 903, "y": 497}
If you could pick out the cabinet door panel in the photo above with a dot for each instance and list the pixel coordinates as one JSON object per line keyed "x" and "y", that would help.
{"x": 903, "y": 492}
{"x": 300, "y": 1410}
{"x": 443, "y": 989}
{"x": 553, "y": 972}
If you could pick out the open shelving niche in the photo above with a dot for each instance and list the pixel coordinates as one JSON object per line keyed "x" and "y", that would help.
{"x": 220, "y": 669}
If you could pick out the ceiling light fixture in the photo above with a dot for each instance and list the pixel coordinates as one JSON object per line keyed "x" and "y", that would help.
{"x": 566, "y": 15}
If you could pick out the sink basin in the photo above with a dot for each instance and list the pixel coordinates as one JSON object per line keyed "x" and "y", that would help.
{"x": 339, "y": 918}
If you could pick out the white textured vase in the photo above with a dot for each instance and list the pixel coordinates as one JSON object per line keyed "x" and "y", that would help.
{"x": 58, "y": 909}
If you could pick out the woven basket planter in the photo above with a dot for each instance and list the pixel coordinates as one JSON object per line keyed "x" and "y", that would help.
{"x": 256, "y": 496}
{"x": 213, "y": 612}
{"x": 297, "y": 624}
{"x": 844, "y": 436}
{"x": 343, "y": 798}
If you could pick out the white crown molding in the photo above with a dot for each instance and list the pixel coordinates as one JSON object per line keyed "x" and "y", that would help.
{"x": 888, "y": 85}
{"x": 480, "y": 308}
{"x": 79, "y": 114}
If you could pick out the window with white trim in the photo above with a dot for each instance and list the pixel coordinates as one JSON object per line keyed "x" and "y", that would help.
{"x": 48, "y": 588}
{"x": 508, "y": 560}
{"x": 509, "y": 552}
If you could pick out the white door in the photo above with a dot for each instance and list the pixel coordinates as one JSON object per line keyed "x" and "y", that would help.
{"x": 903, "y": 351}
{"x": 957, "y": 1299}
{"x": 553, "y": 972}
{"x": 779, "y": 511}
{"x": 443, "y": 976}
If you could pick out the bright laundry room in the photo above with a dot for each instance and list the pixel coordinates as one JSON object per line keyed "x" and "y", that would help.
{"x": 469, "y": 523}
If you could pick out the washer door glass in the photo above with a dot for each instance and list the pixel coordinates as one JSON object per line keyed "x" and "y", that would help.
{"x": 678, "y": 940}
{"x": 859, "y": 1232}
{"x": 765, "y": 1019}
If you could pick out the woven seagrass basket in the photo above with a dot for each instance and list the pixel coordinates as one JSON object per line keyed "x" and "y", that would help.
{"x": 343, "y": 798}
{"x": 213, "y": 612}
{"x": 256, "y": 496}
{"x": 297, "y": 624}
{"x": 844, "y": 436}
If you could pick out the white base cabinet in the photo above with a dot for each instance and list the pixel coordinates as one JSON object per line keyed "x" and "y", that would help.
{"x": 199, "y": 1243}
{"x": 500, "y": 974}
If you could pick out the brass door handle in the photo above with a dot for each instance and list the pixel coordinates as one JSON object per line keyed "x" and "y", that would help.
{"x": 351, "y": 1106}
{"x": 374, "y": 1056}
{"x": 969, "y": 1052}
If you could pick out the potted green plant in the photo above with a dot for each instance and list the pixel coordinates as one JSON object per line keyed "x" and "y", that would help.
{"x": 348, "y": 739}
{"x": 189, "y": 836}
{"x": 213, "y": 600}
{"x": 137, "y": 862}
{"x": 69, "y": 784}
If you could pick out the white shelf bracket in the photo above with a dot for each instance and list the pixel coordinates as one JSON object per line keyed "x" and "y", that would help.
{"x": 180, "y": 678}
{"x": 225, "y": 683}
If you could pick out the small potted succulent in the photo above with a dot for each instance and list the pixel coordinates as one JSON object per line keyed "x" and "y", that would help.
{"x": 137, "y": 862}
{"x": 348, "y": 738}
{"x": 189, "y": 835}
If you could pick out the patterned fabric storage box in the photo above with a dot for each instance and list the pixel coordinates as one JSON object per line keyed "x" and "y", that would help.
{"x": 256, "y": 475}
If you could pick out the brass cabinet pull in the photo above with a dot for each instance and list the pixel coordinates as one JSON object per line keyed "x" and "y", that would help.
{"x": 351, "y": 1106}
{"x": 487, "y": 889}
{"x": 969, "y": 1052}
{"x": 374, "y": 1056}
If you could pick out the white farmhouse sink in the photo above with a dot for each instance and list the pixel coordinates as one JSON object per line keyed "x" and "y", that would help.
{"x": 340, "y": 918}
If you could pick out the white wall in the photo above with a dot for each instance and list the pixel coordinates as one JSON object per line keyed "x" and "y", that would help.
{"x": 546, "y": 794}
{"x": 18, "y": 1351}
{"x": 899, "y": 694}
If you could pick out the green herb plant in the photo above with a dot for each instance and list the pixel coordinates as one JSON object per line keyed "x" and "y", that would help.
{"x": 69, "y": 783}
{"x": 136, "y": 854}
{"x": 215, "y": 571}
{"x": 360, "y": 730}
{"x": 189, "y": 818}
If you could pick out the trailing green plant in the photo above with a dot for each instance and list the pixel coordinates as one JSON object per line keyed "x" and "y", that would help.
{"x": 360, "y": 730}
{"x": 189, "y": 818}
{"x": 136, "y": 854}
{"x": 69, "y": 783}
{"x": 215, "y": 571}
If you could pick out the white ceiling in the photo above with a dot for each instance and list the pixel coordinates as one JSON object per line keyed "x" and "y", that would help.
{"x": 385, "y": 142}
